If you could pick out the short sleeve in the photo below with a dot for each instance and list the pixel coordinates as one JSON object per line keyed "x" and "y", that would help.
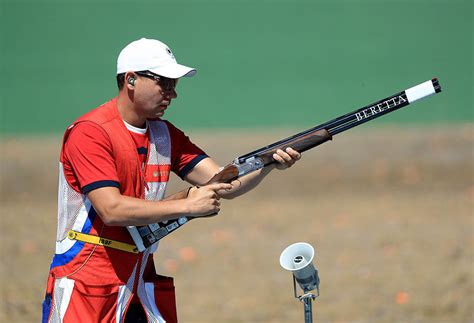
{"x": 184, "y": 154}
{"x": 87, "y": 158}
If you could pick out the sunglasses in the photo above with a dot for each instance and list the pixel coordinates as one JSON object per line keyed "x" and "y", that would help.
{"x": 166, "y": 84}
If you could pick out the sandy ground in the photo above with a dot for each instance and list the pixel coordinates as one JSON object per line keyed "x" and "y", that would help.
{"x": 389, "y": 212}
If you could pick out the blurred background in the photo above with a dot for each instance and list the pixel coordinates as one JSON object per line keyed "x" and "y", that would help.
{"x": 388, "y": 206}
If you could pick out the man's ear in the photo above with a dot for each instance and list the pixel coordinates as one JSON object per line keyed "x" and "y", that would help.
{"x": 130, "y": 80}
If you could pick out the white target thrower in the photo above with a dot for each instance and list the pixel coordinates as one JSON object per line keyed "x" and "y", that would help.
{"x": 298, "y": 259}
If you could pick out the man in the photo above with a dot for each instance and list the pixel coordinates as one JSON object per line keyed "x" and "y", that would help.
{"x": 114, "y": 166}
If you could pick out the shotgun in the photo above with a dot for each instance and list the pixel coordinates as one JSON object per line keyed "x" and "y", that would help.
{"x": 145, "y": 236}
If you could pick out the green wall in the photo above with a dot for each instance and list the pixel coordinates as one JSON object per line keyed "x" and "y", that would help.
{"x": 260, "y": 63}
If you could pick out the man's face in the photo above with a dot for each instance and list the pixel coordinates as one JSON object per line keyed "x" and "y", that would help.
{"x": 153, "y": 94}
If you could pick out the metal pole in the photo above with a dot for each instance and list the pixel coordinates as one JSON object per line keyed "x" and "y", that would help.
{"x": 308, "y": 311}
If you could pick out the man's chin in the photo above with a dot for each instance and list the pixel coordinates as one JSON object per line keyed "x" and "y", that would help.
{"x": 156, "y": 115}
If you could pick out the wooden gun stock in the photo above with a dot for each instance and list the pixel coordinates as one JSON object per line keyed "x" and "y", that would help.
{"x": 300, "y": 144}
{"x": 225, "y": 175}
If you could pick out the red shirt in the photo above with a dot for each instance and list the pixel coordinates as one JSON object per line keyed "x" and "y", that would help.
{"x": 89, "y": 164}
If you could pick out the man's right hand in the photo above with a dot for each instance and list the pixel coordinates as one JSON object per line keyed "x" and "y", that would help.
{"x": 204, "y": 201}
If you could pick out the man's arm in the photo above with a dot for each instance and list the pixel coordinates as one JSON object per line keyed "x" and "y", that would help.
{"x": 207, "y": 168}
{"x": 116, "y": 209}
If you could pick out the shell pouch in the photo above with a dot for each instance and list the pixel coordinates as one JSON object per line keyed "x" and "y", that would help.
{"x": 92, "y": 303}
{"x": 161, "y": 289}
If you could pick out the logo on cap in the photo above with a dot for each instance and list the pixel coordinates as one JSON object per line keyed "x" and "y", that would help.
{"x": 170, "y": 53}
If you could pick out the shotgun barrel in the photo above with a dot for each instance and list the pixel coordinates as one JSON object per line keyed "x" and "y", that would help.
{"x": 359, "y": 116}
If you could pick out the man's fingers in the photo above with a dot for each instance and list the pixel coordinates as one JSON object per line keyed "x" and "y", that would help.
{"x": 278, "y": 158}
{"x": 284, "y": 156}
{"x": 287, "y": 157}
{"x": 219, "y": 186}
{"x": 293, "y": 153}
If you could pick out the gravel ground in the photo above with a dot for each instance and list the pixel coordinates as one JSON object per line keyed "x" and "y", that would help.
{"x": 388, "y": 210}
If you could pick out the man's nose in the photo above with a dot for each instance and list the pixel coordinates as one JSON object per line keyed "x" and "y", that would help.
{"x": 172, "y": 94}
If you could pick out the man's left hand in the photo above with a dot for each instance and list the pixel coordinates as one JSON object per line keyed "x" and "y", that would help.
{"x": 286, "y": 159}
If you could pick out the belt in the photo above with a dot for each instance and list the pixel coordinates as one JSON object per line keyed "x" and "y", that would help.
{"x": 74, "y": 235}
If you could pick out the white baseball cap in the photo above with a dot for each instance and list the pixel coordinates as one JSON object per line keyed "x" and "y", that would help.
{"x": 151, "y": 55}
